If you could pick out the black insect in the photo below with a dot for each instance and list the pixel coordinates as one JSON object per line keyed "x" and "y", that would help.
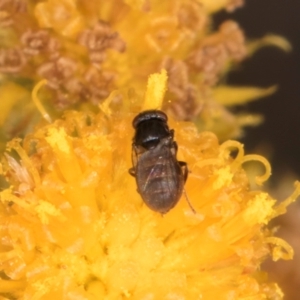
{"x": 159, "y": 175}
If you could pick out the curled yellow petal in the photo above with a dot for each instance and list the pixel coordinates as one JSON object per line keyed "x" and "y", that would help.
{"x": 37, "y": 101}
{"x": 259, "y": 179}
{"x": 281, "y": 249}
{"x": 281, "y": 208}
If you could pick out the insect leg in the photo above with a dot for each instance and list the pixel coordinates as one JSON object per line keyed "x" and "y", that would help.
{"x": 172, "y": 133}
{"x": 184, "y": 169}
{"x": 185, "y": 172}
{"x": 132, "y": 172}
{"x": 188, "y": 201}
{"x": 134, "y": 155}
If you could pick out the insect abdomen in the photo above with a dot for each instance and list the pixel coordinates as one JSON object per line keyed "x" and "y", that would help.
{"x": 160, "y": 187}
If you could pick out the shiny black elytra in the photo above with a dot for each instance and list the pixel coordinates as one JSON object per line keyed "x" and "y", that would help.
{"x": 160, "y": 177}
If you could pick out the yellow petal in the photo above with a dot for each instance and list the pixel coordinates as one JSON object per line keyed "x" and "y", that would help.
{"x": 270, "y": 40}
{"x": 236, "y": 95}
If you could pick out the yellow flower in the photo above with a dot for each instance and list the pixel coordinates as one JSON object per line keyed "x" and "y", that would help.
{"x": 87, "y": 49}
{"x": 63, "y": 16}
{"x": 74, "y": 227}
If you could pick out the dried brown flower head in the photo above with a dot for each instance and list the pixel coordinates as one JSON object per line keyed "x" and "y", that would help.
{"x": 37, "y": 42}
{"x": 11, "y": 60}
{"x": 100, "y": 38}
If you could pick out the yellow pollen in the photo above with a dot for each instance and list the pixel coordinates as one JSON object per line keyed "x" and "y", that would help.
{"x": 57, "y": 138}
{"x": 156, "y": 88}
{"x": 45, "y": 210}
{"x": 260, "y": 209}
{"x": 224, "y": 177}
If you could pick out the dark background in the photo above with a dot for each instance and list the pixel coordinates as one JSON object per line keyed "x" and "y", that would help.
{"x": 279, "y": 135}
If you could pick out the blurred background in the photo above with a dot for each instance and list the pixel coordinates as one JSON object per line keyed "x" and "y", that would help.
{"x": 278, "y": 137}
{"x": 280, "y": 131}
